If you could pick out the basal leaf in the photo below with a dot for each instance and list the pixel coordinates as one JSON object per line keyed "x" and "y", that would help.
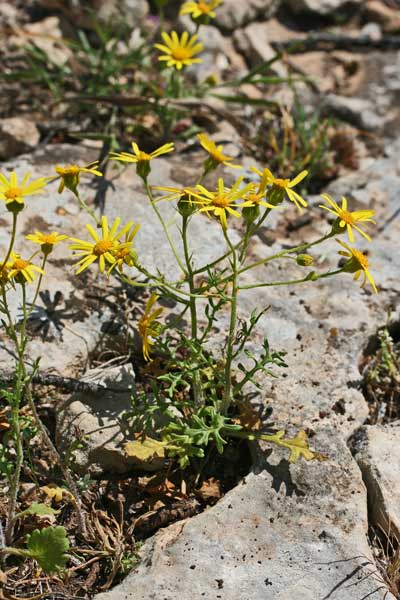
{"x": 48, "y": 547}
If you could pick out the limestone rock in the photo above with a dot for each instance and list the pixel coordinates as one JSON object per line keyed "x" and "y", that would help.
{"x": 236, "y": 13}
{"x": 376, "y": 451}
{"x": 252, "y": 41}
{"x": 320, "y": 7}
{"x": 356, "y": 111}
{"x": 98, "y": 418}
{"x": 290, "y": 531}
{"x": 47, "y": 35}
{"x": 17, "y": 135}
{"x": 131, "y": 11}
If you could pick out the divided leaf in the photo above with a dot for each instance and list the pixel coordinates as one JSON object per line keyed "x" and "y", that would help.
{"x": 298, "y": 446}
{"x": 48, "y": 547}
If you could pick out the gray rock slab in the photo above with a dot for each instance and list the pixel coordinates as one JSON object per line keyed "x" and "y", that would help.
{"x": 360, "y": 112}
{"x": 376, "y": 451}
{"x": 98, "y": 417}
{"x": 295, "y": 531}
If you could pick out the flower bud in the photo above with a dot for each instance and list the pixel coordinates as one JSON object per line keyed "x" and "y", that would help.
{"x": 304, "y": 260}
{"x": 275, "y": 195}
{"x": 250, "y": 214}
{"x": 14, "y": 206}
{"x": 143, "y": 168}
{"x": 185, "y": 206}
{"x": 312, "y": 276}
{"x": 336, "y": 228}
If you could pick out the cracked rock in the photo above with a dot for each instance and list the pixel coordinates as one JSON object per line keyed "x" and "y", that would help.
{"x": 376, "y": 451}
{"x": 290, "y": 531}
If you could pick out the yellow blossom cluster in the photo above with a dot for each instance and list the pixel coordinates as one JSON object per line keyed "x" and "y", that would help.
{"x": 112, "y": 247}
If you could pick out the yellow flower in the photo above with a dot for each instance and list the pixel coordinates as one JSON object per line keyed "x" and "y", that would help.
{"x": 22, "y": 270}
{"x": 70, "y": 175}
{"x": 256, "y": 195}
{"x": 357, "y": 264}
{"x": 217, "y": 157}
{"x": 200, "y": 8}
{"x": 349, "y": 219}
{"x": 285, "y": 185}
{"x": 148, "y": 326}
{"x": 222, "y": 201}
{"x": 141, "y": 158}
{"x": 125, "y": 255}
{"x": 13, "y": 192}
{"x": 139, "y": 155}
{"x": 103, "y": 247}
{"x": 179, "y": 52}
{"x": 46, "y": 241}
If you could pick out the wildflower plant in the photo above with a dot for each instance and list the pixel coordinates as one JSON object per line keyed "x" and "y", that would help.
{"x": 192, "y": 405}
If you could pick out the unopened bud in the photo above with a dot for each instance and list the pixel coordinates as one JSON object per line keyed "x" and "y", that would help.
{"x": 250, "y": 214}
{"x": 304, "y": 260}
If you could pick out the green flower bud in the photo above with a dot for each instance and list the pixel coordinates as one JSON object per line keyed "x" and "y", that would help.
{"x": 275, "y": 195}
{"x": 185, "y": 206}
{"x": 336, "y": 228}
{"x": 14, "y": 206}
{"x": 313, "y": 276}
{"x": 304, "y": 260}
{"x": 143, "y": 168}
{"x": 250, "y": 214}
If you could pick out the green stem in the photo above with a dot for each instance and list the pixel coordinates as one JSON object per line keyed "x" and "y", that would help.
{"x": 197, "y": 391}
{"x": 299, "y": 248}
{"x": 309, "y": 277}
{"x": 163, "y": 224}
{"x": 232, "y": 329}
{"x": 15, "y": 417}
{"x": 39, "y": 283}
{"x": 15, "y": 551}
{"x": 12, "y": 240}
{"x": 87, "y": 208}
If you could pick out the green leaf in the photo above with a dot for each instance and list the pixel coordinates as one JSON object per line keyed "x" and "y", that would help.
{"x": 246, "y": 100}
{"x": 37, "y": 509}
{"x": 48, "y": 547}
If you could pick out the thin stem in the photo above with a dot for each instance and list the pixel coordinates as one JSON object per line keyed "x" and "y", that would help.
{"x": 232, "y": 328}
{"x": 12, "y": 240}
{"x": 15, "y": 417}
{"x": 299, "y": 248}
{"x": 39, "y": 283}
{"x": 86, "y": 207}
{"x": 163, "y": 224}
{"x": 161, "y": 283}
{"x": 197, "y": 391}
{"x": 309, "y": 277}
